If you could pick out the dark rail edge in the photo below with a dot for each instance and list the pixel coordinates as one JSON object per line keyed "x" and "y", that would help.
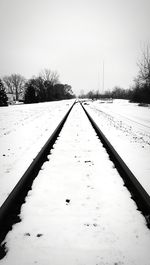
{"x": 138, "y": 193}
{"x": 10, "y": 209}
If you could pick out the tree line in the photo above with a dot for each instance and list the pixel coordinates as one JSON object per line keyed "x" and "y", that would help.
{"x": 140, "y": 90}
{"x": 45, "y": 87}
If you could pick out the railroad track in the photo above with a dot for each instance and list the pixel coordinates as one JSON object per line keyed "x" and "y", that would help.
{"x": 139, "y": 195}
{"x": 10, "y": 209}
{"x": 9, "y": 212}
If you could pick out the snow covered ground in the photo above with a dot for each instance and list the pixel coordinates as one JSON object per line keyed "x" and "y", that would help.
{"x": 78, "y": 211}
{"x": 127, "y": 126}
{"x": 24, "y": 129}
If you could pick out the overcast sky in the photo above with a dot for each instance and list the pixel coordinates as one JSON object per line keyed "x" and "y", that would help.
{"x": 74, "y": 37}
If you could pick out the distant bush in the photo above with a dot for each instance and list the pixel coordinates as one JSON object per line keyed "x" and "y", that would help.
{"x": 138, "y": 94}
{"x": 141, "y": 94}
{"x": 116, "y": 93}
{"x": 45, "y": 87}
{"x": 140, "y": 91}
{"x": 40, "y": 90}
{"x": 3, "y": 96}
{"x": 141, "y": 88}
{"x": 14, "y": 85}
{"x": 30, "y": 95}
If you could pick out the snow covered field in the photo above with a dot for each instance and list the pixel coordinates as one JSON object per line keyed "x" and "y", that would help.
{"x": 24, "y": 129}
{"x": 78, "y": 211}
{"x": 127, "y": 126}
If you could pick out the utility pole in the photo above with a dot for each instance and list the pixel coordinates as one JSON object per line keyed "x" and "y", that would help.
{"x": 98, "y": 83}
{"x": 103, "y": 82}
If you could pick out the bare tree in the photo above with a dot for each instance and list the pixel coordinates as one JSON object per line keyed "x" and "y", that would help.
{"x": 144, "y": 66}
{"x": 14, "y": 85}
{"x": 68, "y": 90}
{"x": 50, "y": 76}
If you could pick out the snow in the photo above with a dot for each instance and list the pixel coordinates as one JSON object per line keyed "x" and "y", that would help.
{"x": 78, "y": 211}
{"x": 127, "y": 127}
{"x": 24, "y": 129}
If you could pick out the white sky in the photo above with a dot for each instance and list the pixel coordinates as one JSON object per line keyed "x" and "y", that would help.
{"x": 74, "y": 37}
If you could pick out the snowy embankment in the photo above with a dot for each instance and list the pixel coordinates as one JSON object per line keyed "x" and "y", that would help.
{"x": 127, "y": 127}
{"x": 24, "y": 129}
{"x": 78, "y": 211}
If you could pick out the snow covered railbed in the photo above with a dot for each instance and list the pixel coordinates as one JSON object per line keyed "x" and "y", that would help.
{"x": 24, "y": 129}
{"x": 78, "y": 211}
{"x": 140, "y": 196}
{"x": 10, "y": 209}
{"x": 127, "y": 126}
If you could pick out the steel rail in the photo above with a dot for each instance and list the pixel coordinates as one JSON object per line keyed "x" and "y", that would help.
{"x": 10, "y": 209}
{"x": 138, "y": 193}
